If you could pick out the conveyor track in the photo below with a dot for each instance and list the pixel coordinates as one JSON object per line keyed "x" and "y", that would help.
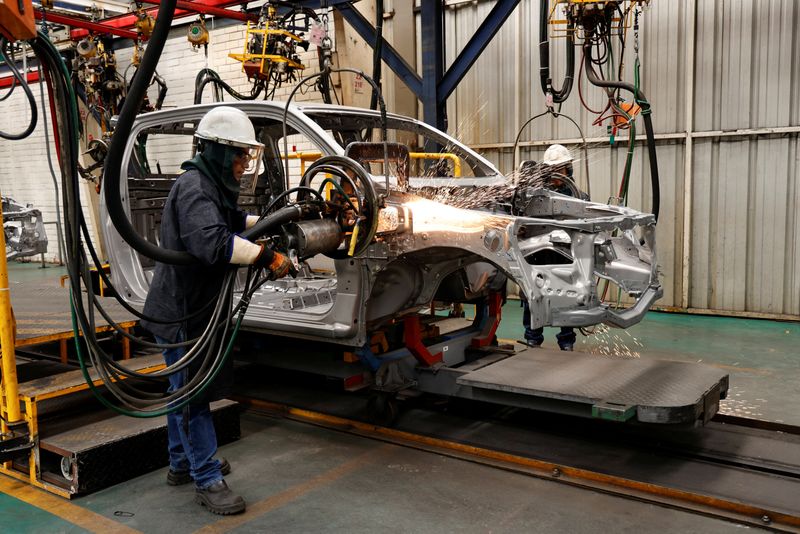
{"x": 747, "y": 475}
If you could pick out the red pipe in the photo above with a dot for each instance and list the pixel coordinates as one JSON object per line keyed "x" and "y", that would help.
{"x": 213, "y": 10}
{"x": 209, "y": 7}
{"x": 95, "y": 27}
{"x": 6, "y": 81}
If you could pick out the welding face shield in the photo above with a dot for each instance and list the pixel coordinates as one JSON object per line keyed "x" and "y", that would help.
{"x": 229, "y": 140}
{"x": 245, "y": 166}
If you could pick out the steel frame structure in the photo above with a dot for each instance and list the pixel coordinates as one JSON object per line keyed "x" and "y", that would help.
{"x": 436, "y": 84}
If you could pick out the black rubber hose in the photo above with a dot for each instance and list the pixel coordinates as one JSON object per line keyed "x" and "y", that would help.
{"x": 162, "y": 91}
{"x": 275, "y": 219}
{"x": 77, "y": 265}
{"x": 559, "y": 95}
{"x": 112, "y": 175}
{"x": 377, "y": 53}
{"x": 10, "y": 91}
{"x": 206, "y": 76}
{"x": 25, "y": 87}
{"x": 646, "y": 115}
{"x": 60, "y": 235}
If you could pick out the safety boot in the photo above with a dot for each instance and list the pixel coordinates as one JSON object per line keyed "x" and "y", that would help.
{"x": 219, "y": 499}
{"x": 179, "y": 478}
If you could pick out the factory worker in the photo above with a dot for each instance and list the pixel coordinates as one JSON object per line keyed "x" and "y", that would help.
{"x": 554, "y": 173}
{"x": 201, "y": 217}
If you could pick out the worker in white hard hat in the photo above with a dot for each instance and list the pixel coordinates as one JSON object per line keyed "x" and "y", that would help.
{"x": 554, "y": 173}
{"x": 201, "y": 216}
{"x": 557, "y": 163}
{"x": 557, "y": 155}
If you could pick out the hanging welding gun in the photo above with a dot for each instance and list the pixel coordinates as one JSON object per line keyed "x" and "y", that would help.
{"x": 602, "y": 24}
{"x": 95, "y": 70}
{"x": 554, "y": 95}
{"x": 271, "y": 46}
{"x": 145, "y": 23}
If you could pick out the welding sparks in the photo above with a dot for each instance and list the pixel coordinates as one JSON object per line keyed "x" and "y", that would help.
{"x": 609, "y": 342}
{"x": 431, "y": 216}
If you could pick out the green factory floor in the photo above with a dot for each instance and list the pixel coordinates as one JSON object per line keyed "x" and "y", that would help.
{"x": 21, "y": 272}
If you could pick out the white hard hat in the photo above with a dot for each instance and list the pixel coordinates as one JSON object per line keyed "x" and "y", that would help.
{"x": 556, "y": 155}
{"x": 228, "y": 126}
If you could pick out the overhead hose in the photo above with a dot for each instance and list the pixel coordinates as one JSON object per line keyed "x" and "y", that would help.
{"x": 113, "y": 164}
{"x": 377, "y": 53}
{"x": 213, "y": 346}
{"x": 206, "y": 76}
{"x": 4, "y": 44}
{"x": 59, "y": 235}
{"x": 559, "y": 95}
{"x": 646, "y": 116}
{"x": 13, "y": 83}
{"x": 381, "y": 105}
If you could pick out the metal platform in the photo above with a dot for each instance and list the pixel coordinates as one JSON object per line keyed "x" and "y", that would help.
{"x": 42, "y": 313}
{"x": 84, "y": 457}
{"x": 648, "y": 391}
{"x": 62, "y": 383}
{"x": 49, "y": 389}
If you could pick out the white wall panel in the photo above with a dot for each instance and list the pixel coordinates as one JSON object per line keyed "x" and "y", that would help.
{"x": 745, "y": 235}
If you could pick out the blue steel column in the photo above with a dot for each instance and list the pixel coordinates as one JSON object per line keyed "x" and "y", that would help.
{"x": 477, "y": 43}
{"x": 436, "y": 84}
{"x": 434, "y": 108}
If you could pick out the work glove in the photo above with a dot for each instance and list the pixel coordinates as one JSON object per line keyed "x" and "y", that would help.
{"x": 277, "y": 263}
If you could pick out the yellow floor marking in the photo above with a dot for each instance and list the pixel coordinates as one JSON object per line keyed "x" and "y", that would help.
{"x": 288, "y": 495}
{"x": 62, "y": 508}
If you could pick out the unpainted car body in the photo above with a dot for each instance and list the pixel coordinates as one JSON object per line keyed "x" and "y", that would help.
{"x": 424, "y": 250}
{"x": 24, "y": 230}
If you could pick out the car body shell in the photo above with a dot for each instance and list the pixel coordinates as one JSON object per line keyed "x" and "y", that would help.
{"x": 431, "y": 251}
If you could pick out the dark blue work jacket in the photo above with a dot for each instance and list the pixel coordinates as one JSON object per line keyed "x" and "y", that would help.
{"x": 195, "y": 220}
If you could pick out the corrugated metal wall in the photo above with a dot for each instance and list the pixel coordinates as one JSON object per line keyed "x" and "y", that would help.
{"x": 722, "y": 76}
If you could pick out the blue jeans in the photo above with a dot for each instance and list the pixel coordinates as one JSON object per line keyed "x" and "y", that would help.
{"x": 191, "y": 435}
{"x": 535, "y": 336}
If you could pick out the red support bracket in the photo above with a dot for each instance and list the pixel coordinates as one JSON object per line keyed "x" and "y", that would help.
{"x": 412, "y": 337}
{"x": 490, "y": 322}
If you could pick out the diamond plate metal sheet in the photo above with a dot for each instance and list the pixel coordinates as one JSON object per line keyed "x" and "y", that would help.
{"x": 119, "y": 448}
{"x": 64, "y": 381}
{"x": 42, "y": 311}
{"x": 656, "y": 387}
